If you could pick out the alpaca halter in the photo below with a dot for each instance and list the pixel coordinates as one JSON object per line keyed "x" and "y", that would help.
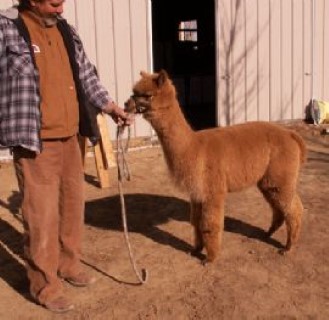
{"x": 140, "y": 105}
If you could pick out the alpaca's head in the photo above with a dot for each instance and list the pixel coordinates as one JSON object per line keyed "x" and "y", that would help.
{"x": 150, "y": 88}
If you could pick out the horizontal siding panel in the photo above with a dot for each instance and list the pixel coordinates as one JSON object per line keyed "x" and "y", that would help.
{"x": 5, "y": 4}
{"x": 251, "y": 60}
{"x": 85, "y": 23}
{"x": 320, "y": 22}
{"x": 139, "y": 54}
{"x": 275, "y": 61}
{"x": 307, "y": 51}
{"x": 105, "y": 45}
{"x": 297, "y": 61}
{"x": 70, "y": 12}
{"x": 237, "y": 74}
{"x": 263, "y": 60}
{"x": 286, "y": 60}
{"x": 138, "y": 36}
{"x": 122, "y": 47}
{"x": 224, "y": 61}
{"x": 326, "y": 52}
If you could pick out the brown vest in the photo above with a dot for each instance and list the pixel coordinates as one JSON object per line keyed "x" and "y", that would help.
{"x": 59, "y": 104}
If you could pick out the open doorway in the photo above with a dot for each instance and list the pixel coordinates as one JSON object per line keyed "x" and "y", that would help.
{"x": 184, "y": 45}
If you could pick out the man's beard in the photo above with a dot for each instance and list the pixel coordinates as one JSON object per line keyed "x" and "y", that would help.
{"x": 50, "y": 20}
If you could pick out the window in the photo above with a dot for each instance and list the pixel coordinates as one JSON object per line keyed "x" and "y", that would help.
{"x": 188, "y": 31}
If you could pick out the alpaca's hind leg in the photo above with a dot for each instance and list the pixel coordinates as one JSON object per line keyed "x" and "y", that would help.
{"x": 293, "y": 219}
{"x": 287, "y": 207}
{"x": 212, "y": 226}
{"x": 270, "y": 196}
{"x": 291, "y": 206}
{"x": 195, "y": 216}
{"x": 277, "y": 221}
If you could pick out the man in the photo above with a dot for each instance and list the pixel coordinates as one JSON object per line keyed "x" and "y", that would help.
{"x": 46, "y": 81}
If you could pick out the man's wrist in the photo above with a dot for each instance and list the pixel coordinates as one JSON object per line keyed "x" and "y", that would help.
{"x": 110, "y": 107}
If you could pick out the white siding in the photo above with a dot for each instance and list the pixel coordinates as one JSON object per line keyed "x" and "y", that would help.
{"x": 115, "y": 37}
{"x": 264, "y": 53}
{"x": 6, "y": 4}
{"x": 265, "y": 50}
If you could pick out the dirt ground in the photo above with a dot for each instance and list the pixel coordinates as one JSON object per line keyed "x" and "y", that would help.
{"x": 251, "y": 280}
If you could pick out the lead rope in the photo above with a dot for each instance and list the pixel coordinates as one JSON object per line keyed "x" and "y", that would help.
{"x": 123, "y": 172}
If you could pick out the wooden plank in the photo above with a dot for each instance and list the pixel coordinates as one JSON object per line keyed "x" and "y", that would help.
{"x": 101, "y": 162}
{"x": 101, "y": 166}
{"x": 104, "y": 156}
{"x": 83, "y": 147}
{"x": 103, "y": 152}
{"x": 105, "y": 140}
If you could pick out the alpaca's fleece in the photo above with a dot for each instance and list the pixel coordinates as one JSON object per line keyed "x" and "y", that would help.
{"x": 210, "y": 163}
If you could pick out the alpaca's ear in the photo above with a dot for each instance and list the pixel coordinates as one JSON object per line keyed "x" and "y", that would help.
{"x": 162, "y": 78}
{"x": 142, "y": 73}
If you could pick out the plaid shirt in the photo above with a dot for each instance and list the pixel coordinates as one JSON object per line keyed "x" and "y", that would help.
{"x": 20, "y": 117}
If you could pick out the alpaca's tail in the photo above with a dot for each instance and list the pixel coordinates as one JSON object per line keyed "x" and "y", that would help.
{"x": 302, "y": 146}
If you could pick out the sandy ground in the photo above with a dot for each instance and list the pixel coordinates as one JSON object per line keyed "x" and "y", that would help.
{"x": 249, "y": 281}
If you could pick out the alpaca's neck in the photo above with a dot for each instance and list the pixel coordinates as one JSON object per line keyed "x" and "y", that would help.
{"x": 171, "y": 126}
{"x": 174, "y": 133}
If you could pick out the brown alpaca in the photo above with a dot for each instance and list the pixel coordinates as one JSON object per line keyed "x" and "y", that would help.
{"x": 210, "y": 163}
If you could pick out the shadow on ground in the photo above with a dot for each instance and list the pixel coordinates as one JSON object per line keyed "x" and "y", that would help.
{"x": 145, "y": 213}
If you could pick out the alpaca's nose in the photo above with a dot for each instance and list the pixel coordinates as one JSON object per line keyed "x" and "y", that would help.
{"x": 130, "y": 106}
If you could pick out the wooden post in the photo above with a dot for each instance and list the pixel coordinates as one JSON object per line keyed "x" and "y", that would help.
{"x": 103, "y": 152}
{"x": 83, "y": 147}
{"x": 105, "y": 140}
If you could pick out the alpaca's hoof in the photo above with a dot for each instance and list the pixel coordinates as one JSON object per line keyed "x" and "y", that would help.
{"x": 197, "y": 254}
{"x": 284, "y": 251}
{"x": 204, "y": 262}
{"x": 270, "y": 232}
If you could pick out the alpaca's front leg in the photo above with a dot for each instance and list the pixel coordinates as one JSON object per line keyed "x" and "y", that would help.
{"x": 195, "y": 216}
{"x": 212, "y": 226}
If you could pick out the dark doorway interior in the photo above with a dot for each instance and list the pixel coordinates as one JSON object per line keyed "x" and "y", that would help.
{"x": 184, "y": 45}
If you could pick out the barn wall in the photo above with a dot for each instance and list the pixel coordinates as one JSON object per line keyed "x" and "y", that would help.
{"x": 114, "y": 33}
{"x": 265, "y": 66}
{"x": 265, "y": 56}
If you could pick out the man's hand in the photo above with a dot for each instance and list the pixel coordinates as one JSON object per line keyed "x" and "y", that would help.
{"x": 119, "y": 116}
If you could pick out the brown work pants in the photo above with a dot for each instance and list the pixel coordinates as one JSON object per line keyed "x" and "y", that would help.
{"x": 53, "y": 205}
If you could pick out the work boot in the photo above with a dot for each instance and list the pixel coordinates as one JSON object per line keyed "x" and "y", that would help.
{"x": 81, "y": 279}
{"x": 59, "y": 305}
